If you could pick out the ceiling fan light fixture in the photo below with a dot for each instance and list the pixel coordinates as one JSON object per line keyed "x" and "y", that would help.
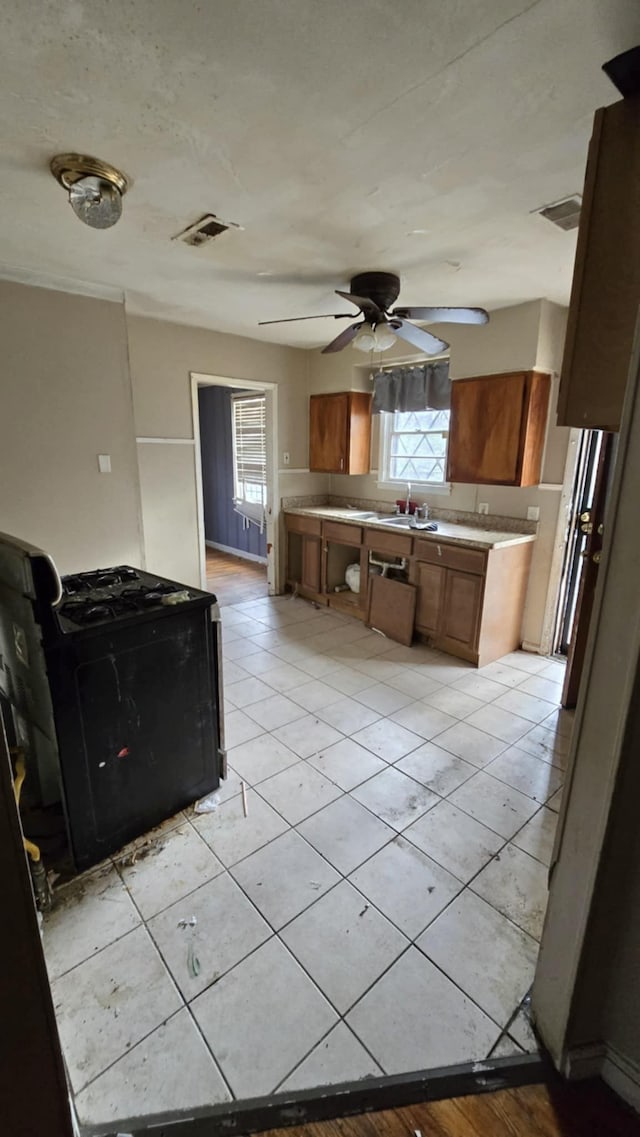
{"x": 384, "y": 337}
{"x": 378, "y": 338}
{"x": 366, "y": 338}
{"x": 94, "y": 187}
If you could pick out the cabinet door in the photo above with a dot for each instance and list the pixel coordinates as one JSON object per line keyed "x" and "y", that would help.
{"x": 461, "y": 608}
{"x": 328, "y": 433}
{"x": 484, "y": 433}
{"x": 359, "y": 448}
{"x": 430, "y": 581}
{"x": 310, "y": 576}
{"x": 606, "y": 276}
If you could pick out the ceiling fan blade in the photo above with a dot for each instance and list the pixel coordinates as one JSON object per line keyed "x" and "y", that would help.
{"x": 323, "y": 316}
{"x": 343, "y": 339}
{"x": 444, "y": 315}
{"x": 427, "y": 343}
{"x": 366, "y": 306}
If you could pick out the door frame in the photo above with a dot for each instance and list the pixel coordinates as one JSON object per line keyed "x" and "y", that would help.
{"x": 605, "y": 703}
{"x": 270, "y": 390}
{"x": 588, "y": 458}
{"x": 587, "y": 576}
{"x": 545, "y": 647}
{"x": 35, "y": 1098}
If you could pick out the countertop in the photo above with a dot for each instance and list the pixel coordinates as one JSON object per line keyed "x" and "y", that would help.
{"x": 470, "y": 535}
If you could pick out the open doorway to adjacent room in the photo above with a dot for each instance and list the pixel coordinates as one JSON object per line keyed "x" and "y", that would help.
{"x": 234, "y": 425}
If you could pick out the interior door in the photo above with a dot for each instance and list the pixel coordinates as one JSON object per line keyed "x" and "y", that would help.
{"x": 590, "y": 526}
{"x": 328, "y": 428}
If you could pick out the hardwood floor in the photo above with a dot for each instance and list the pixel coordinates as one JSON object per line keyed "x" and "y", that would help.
{"x": 233, "y": 579}
{"x": 588, "y": 1109}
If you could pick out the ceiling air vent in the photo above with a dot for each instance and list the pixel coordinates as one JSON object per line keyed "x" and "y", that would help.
{"x": 206, "y": 229}
{"x": 565, "y": 214}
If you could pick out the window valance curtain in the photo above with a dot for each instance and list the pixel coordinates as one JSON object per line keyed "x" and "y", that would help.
{"x": 425, "y": 386}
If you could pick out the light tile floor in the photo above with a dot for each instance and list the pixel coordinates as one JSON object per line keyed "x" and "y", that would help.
{"x": 377, "y": 911}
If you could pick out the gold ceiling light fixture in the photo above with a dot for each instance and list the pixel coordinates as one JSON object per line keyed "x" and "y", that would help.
{"x": 95, "y": 188}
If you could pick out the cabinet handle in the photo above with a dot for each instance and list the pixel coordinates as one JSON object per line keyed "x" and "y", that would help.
{"x": 342, "y": 463}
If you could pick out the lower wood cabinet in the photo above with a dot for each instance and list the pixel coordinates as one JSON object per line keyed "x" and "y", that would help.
{"x": 304, "y": 554}
{"x": 470, "y": 602}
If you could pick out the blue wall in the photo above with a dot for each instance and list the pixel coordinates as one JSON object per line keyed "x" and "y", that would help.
{"x": 221, "y": 523}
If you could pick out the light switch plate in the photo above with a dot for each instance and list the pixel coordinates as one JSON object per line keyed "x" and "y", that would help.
{"x": 104, "y": 463}
{"x": 533, "y": 513}
{"x": 483, "y": 507}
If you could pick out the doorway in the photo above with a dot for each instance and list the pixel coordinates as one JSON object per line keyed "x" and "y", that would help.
{"x": 234, "y": 483}
{"x": 234, "y": 426}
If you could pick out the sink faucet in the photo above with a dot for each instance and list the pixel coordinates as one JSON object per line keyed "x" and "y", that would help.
{"x": 408, "y": 501}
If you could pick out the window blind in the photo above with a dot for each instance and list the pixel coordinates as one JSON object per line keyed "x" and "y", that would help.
{"x": 249, "y": 447}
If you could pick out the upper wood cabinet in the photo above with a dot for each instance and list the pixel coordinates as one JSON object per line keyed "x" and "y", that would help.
{"x": 606, "y": 280}
{"x": 340, "y": 433}
{"x": 497, "y": 429}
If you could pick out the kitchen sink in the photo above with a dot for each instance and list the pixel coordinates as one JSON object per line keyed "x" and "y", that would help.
{"x": 362, "y": 515}
{"x": 403, "y": 522}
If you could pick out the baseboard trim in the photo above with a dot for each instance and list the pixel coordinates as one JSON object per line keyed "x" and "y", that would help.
{"x": 236, "y": 552}
{"x": 597, "y": 1060}
{"x": 623, "y": 1076}
{"x": 584, "y": 1061}
{"x": 527, "y": 645}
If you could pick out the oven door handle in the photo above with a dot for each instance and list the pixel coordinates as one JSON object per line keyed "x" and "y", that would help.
{"x": 216, "y": 639}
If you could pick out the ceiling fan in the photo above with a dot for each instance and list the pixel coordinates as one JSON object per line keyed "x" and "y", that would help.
{"x": 373, "y": 293}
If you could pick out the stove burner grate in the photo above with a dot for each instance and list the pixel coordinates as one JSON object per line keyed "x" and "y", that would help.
{"x": 100, "y": 578}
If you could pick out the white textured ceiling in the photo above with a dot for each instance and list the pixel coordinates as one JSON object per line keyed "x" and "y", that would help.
{"x": 329, "y": 129}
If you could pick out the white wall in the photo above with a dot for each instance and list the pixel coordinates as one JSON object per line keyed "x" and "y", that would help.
{"x": 522, "y": 337}
{"x": 65, "y": 398}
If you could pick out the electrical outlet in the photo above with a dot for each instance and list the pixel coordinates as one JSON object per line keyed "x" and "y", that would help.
{"x": 104, "y": 463}
{"x": 533, "y": 513}
{"x": 483, "y": 507}
{"x": 286, "y": 458}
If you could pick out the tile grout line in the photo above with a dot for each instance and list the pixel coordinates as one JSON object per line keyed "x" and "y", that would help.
{"x": 345, "y": 1024}
{"x": 411, "y": 941}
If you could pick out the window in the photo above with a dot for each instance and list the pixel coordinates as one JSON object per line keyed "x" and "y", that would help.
{"x": 414, "y": 447}
{"x": 249, "y": 448}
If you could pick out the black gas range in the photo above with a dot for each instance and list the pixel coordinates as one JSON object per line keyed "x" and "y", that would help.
{"x": 112, "y": 680}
